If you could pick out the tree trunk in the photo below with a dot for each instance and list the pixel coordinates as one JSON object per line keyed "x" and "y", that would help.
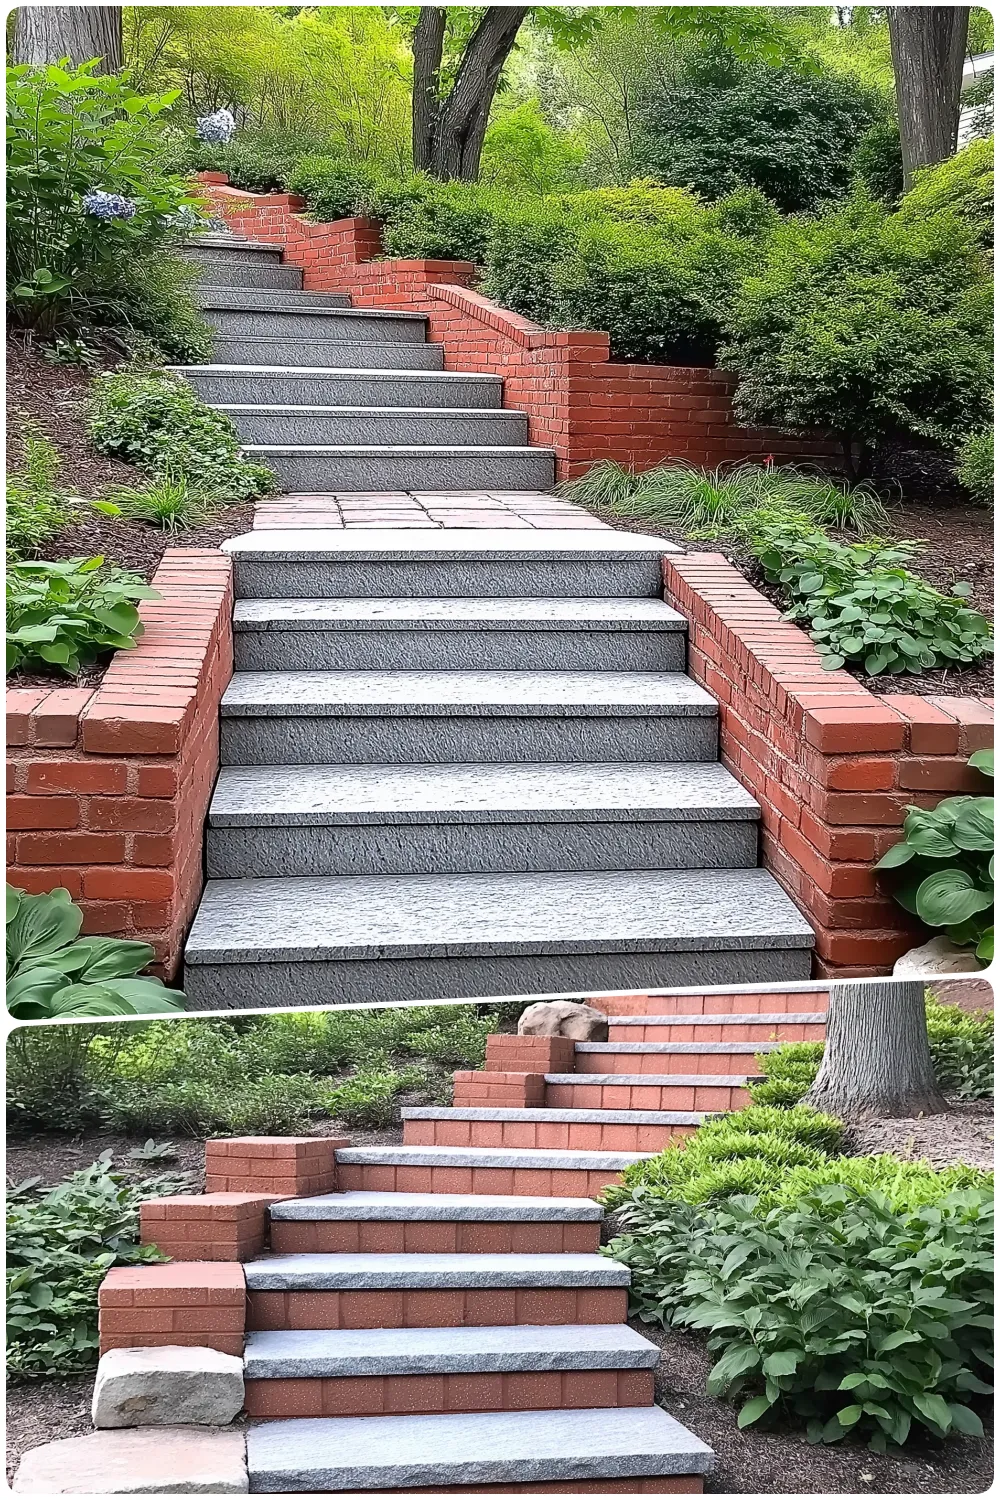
{"x": 428, "y": 44}
{"x": 48, "y": 33}
{"x": 877, "y": 1058}
{"x": 928, "y": 51}
{"x": 462, "y": 118}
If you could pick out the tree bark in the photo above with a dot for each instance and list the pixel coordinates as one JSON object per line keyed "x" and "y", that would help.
{"x": 428, "y": 45}
{"x": 928, "y": 45}
{"x": 48, "y": 33}
{"x": 877, "y": 1058}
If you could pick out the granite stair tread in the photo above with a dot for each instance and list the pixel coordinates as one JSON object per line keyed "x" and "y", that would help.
{"x": 320, "y": 1454}
{"x": 442, "y": 543}
{"x": 457, "y": 614}
{"x": 374, "y": 1272}
{"x": 653, "y": 1080}
{"x": 297, "y": 1354}
{"x": 484, "y": 1207}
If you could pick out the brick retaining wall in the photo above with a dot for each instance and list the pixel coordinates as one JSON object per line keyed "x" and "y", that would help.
{"x": 579, "y": 401}
{"x": 108, "y": 786}
{"x": 832, "y": 765}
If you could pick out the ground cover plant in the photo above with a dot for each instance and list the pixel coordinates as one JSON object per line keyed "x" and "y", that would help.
{"x": 65, "y": 615}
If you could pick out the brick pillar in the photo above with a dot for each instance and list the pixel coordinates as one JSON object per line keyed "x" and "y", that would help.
{"x": 187, "y": 1302}
{"x": 282, "y": 1166}
{"x": 495, "y": 1090}
{"x": 207, "y": 1226}
{"x": 530, "y": 1054}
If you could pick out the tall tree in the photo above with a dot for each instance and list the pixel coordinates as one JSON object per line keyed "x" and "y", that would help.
{"x": 877, "y": 1058}
{"x": 48, "y": 33}
{"x": 448, "y": 131}
{"x": 928, "y": 52}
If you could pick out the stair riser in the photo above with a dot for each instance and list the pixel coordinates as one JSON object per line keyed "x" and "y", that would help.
{"x": 391, "y": 1395}
{"x": 477, "y": 848}
{"x": 448, "y": 578}
{"x": 784, "y": 1032}
{"x": 266, "y": 276}
{"x": 362, "y": 740}
{"x": 716, "y": 1004}
{"x": 317, "y": 473}
{"x": 559, "y": 1136}
{"x": 459, "y": 1307}
{"x": 235, "y": 255}
{"x": 263, "y": 298}
{"x": 360, "y": 389}
{"x": 609, "y": 1063}
{"x": 495, "y": 429}
{"x": 460, "y": 650}
{"x": 238, "y": 986}
{"x": 314, "y": 327}
{"x": 558, "y": 1182}
{"x": 327, "y": 354}
{"x": 644, "y": 1096}
{"x": 431, "y": 1237}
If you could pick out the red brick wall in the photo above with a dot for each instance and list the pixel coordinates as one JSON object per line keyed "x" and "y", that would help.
{"x": 832, "y": 765}
{"x": 108, "y": 787}
{"x": 577, "y": 400}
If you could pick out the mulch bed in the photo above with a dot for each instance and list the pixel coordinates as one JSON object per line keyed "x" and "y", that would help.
{"x": 43, "y": 1411}
{"x": 964, "y": 1134}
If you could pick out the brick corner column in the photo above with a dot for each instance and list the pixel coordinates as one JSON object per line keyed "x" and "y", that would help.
{"x": 530, "y": 1054}
{"x": 207, "y": 1226}
{"x": 279, "y": 1165}
{"x": 186, "y": 1302}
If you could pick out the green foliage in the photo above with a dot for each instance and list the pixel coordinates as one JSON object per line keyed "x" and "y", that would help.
{"x": 877, "y": 161}
{"x": 368, "y": 1099}
{"x": 67, "y": 614}
{"x": 170, "y": 502}
{"x": 523, "y": 152}
{"x": 159, "y": 423}
{"x": 335, "y": 189}
{"x": 946, "y": 860}
{"x": 962, "y": 1049}
{"x": 71, "y": 132}
{"x": 36, "y": 509}
{"x": 869, "y": 324}
{"x": 838, "y": 1310}
{"x": 53, "y": 973}
{"x": 788, "y": 1074}
{"x": 962, "y": 185}
{"x": 720, "y": 124}
{"x": 975, "y": 465}
{"x": 269, "y": 1104}
{"x": 61, "y": 1243}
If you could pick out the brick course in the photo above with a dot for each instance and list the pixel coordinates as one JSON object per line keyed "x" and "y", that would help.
{"x": 109, "y": 785}
{"x": 191, "y": 1303}
{"x": 283, "y": 1166}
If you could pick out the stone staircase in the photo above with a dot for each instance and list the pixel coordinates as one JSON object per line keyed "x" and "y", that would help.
{"x": 455, "y": 762}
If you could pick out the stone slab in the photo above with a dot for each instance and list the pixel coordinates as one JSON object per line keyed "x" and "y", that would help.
{"x": 487, "y": 1156}
{"x": 138, "y": 1461}
{"x": 659, "y": 1080}
{"x": 380, "y": 1272}
{"x": 444, "y": 545}
{"x": 380, "y": 1453}
{"x": 457, "y": 614}
{"x": 167, "y": 1386}
{"x": 562, "y": 1116}
{"x": 483, "y": 1207}
{"x": 351, "y": 387}
{"x": 321, "y": 353}
{"x": 446, "y": 1351}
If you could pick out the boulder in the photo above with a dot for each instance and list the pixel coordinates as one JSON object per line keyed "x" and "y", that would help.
{"x": 143, "y": 1461}
{"x": 938, "y": 956}
{"x": 564, "y": 1018}
{"x": 167, "y": 1386}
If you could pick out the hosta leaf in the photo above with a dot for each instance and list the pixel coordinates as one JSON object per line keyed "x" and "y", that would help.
{"x": 934, "y": 1409}
{"x": 899, "y": 854}
{"x": 752, "y": 1410}
{"x": 973, "y": 828}
{"x": 964, "y": 1419}
{"x": 42, "y": 925}
{"x": 950, "y": 896}
{"x": 982, "y": 761}
{"x": 782, "y": 1362}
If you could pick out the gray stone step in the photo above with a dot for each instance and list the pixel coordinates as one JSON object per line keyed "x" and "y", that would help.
{"x": 250, "y": 274}
{"x": 268, "y": 384}
{"x": 437, "y": 1207}
{"x": 323, "y": 1454}
{"x": 314, "y": 470}
{"x": 262, "y": 298}
{"x": 231, "y": 250}
{"x": 373, "y": 1273}
{"x": 435, "y": 819}
{"x": 326, "y": 353}
{"x": 356, "y": 939}
{"x": 433, "y": 635}
{"x": 305, "y": 1354}
{"x": 489, "y": 1156}
{"x": 335, "y": 718}
{"x": 316, "y": 324}
{"x": 560, "y": 1116}
{"x": 351, "y": 426}
{"x": 748, "y": 1018}
{"x": 439, "y": 564}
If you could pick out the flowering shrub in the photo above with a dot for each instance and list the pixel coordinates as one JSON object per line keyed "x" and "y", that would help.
{"x": 217, "y": 128}
{"x": 109, "y": 205}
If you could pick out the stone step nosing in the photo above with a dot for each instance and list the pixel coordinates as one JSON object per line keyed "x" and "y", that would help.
{"x": 670, "y": 1049}
{"x": 497, "y": 614}
{"x": 444, "y": 413}
{"x": 375, "y": 1272}
{"x": 311, "y": 372}
{"x": 654, "y": 1080}
{"x": 489, "y": 1156}
{"x": 375, "y": 314}
{"x": 560, "y": 1116}
{"x": 478, "y": 1208}
{"x": 312, "y": 1454}
{"x": 307, "y": 1354}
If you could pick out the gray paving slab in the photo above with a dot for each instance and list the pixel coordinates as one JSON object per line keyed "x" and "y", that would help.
{"x": 489, "y": 1156}
{"x": 305, "y": 1354}
{"x": 377, "y": 1272}
{"x": 559, "y": 1116}
{"x": 380, "y": 1453}
{"x": 436, "y": 1207}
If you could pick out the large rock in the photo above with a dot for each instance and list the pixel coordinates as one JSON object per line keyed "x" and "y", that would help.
{"x": 938, "y": 956}
{"x": 564, "y": 1018}
{"x": 167, "y": 1387}
{"x": 146, "y": 1461}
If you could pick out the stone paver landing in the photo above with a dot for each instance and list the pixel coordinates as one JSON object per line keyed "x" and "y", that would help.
{"x": 389, "y": 509}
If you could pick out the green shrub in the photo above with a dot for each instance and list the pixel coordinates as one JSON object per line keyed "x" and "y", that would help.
{"x": 53, "y": 972}
{"x": 254, "y": 161}
{"x": 788, "y": 1073}
{"x": 962, "y": 185}
{"x": 334, "y": 188}
{"x": 962, "y": 1049}
{"x": 975, "y": 465}
{"x": 946, "y": 859}
{"x": 67, "y": 614}
{"x": 866, "y": 324}
{"x": 722, "y": 122}
{"x": 76, "y": 261}
{"x": 837, "y": 1310}
{"x": 61, "y": 1243}
{"x": 368, "y": 1099}
{"x": 160, "y": 424}
{"x": 268, "y": 1104}
{"x": 907, "y": 1185}
{"x": 877, "y": 161}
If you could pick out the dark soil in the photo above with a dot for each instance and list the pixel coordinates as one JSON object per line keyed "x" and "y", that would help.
{"x": 964, "y": 1134}
{"x": 43, "y": 1411}
{"x": 758, "y": 1462}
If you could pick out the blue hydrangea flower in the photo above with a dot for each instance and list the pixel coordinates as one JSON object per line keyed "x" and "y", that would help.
{"x": 216, "y": 129}
{"x": 108, "y": 205}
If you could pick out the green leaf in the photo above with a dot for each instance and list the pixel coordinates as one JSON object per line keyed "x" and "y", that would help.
{"x": 973, "y": 827}
{"x": 899, "y": 854}
{"x": 42, "y": 925}
{"x": 950, "y": 896}
{"x": 782, "y": 1362}
{"x": 982, "y": 761}
{"x": 752, "y": 1410}
{"x": 849, "y": 1415}
{"x": 964, "y": 1419}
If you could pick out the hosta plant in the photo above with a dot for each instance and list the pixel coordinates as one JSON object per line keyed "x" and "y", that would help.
{"x": 64, "y": 615}
{"x": 945, "y": 865}
{"x": 52, "y": 972}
